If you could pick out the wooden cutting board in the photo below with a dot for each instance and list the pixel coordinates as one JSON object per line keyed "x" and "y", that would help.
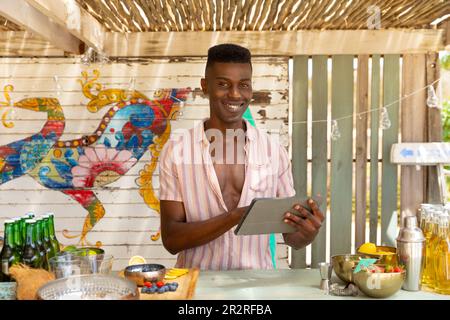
{"x": 185, "y": 290}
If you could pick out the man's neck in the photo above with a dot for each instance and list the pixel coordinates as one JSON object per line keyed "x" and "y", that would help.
{"x": 223, "y": 127}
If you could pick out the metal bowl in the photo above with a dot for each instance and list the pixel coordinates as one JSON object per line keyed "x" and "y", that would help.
{"x": 379, "y": 285}
{"x": 89, "y": 287}
{"x": 344, "y": 264}
{"x": 141, "y": 273}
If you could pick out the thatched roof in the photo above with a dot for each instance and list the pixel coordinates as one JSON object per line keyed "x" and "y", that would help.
{"x": 243, "y": 15}
{"x": 267, "y": 27}
{"x": 246, "y": 15}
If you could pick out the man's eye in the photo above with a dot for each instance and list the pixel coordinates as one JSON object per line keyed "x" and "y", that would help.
{"x": 223, "y": 84}
{"x": 245, "y": 85}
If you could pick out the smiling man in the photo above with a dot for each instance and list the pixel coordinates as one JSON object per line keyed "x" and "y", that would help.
{"x": 211, "y": 173}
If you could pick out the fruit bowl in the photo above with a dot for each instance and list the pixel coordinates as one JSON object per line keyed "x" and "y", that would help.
{"x": 344, "y": 264}
{"x": 379, "y": 284}
{"x": 140, "y": 273}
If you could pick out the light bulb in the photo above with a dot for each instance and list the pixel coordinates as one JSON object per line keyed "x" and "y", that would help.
{"x": 335, "y": 133}
{"x": 385, "y": 122}
{"x": 432, "y": 99}
{"x": 58, "y": 87}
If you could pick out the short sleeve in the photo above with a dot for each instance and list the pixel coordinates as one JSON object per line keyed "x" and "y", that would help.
{"x": 169, "y": 184}
{"x": 285, "y": 186}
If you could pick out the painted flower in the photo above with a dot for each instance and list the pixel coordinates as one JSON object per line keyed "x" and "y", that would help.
{"x": 100, "y": 166}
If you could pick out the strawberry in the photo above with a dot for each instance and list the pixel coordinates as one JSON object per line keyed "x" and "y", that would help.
{"x": 147, "y": 284}
{"x": 160, "y": 284}
{"x": 398, "y": 269}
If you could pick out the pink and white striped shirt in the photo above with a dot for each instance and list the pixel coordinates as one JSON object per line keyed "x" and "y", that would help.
{"x": 187, "y": 174}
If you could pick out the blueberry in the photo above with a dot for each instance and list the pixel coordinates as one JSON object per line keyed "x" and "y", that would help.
{"x": 161, "y": 290}
{"x": 144, "y": 290}
{"x": 152, "y": 290}
{"x": 173, "y": 288}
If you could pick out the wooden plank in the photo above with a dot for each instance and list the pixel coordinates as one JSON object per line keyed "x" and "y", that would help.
{"x": 21, "y": 13}
{"x": 374, "y": 147}
{"x": 277, "y": 43}
{"x": 299, "y": 140}
{"x": 413, "y": 129}
{"x": 319, "y": 149}
{"x": 361, "y": 149}
{"x": 389, "y": 182}
{"x": 341, "y": 155}
{"x": 25, "y": 44}
{"x": 71, "y": 16}
{"x": 434, "y": 125}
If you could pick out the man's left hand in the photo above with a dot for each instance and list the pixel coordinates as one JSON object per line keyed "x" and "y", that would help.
{"x": 307, "y": 225}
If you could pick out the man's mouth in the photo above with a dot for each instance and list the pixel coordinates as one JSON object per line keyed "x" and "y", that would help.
{"x": 233, "y": 107}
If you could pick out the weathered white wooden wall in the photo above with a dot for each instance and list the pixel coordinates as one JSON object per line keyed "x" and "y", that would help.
{"x": 128, "y": 223}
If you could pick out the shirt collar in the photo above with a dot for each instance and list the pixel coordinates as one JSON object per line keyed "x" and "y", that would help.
{"x": 200, "y": 135}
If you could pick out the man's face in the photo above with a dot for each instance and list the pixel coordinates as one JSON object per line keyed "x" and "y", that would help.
{"x": 229, "y": 87}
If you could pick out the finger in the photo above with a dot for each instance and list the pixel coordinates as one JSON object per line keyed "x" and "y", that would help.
{"x": 294, "y": 217}
{"x": 300, "y": 224}
{"x": 314, "y": 221}
{"x": 301, "y": 210}
{"x": 315, "y": 209}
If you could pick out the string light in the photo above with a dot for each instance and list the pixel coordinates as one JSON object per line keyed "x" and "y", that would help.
{"x": 335, "y": 133}
{"x": 371, "y": 110}
{"x": 385, "y": 122}
{"x": 432, "y": 99}
{"x": 132, "y": 86}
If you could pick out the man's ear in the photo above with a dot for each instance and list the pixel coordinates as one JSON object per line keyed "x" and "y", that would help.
{"x": 204, "y": 86}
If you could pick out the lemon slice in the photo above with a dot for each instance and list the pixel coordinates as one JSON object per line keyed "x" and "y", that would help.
{"x": 175, "y": 273}
{"x": 136, "y": 260}
{"x": 369, "y": 248}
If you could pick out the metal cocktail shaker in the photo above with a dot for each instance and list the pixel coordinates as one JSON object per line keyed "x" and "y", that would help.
{"x": 411, "y": 250}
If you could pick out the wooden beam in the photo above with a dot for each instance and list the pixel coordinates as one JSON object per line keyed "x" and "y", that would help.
{"x": 74, "y": 19}
{"x": 278, "y": 43}
{"x": 21, "y": 13}
{"x": 446, "y": 27}
{"x": 23, "y": 43}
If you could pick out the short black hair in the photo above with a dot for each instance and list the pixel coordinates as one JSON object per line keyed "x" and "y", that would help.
{"x": 228, "y": 52}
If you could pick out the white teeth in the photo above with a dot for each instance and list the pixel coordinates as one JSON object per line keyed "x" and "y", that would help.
{"x": 233, "y": 107}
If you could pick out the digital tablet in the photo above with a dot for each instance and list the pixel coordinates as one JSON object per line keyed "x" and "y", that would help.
{"x": 266, "y": 215}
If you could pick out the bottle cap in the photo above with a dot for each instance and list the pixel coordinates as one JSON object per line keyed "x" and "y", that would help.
{"x": 9, "y": 221}
{"x": 30, "y": 221}
{"x": 410, "y": 232}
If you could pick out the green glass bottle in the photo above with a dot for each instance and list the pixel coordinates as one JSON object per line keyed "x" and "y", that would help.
{"x": 51, "y": 228}
{"x": 40, "y": 242}
{"x": 18, "y": 242}
{"x": 48, "y": 244}
{"x": 23, "y": 228}
{"x": 31, "y": 256}
{"x": 9, "y": 254}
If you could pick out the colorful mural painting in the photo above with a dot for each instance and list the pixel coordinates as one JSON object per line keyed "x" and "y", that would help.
{"x": 133, "y": 125}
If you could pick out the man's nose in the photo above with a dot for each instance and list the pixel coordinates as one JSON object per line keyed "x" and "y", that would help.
{"x": 234, "y": 92}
